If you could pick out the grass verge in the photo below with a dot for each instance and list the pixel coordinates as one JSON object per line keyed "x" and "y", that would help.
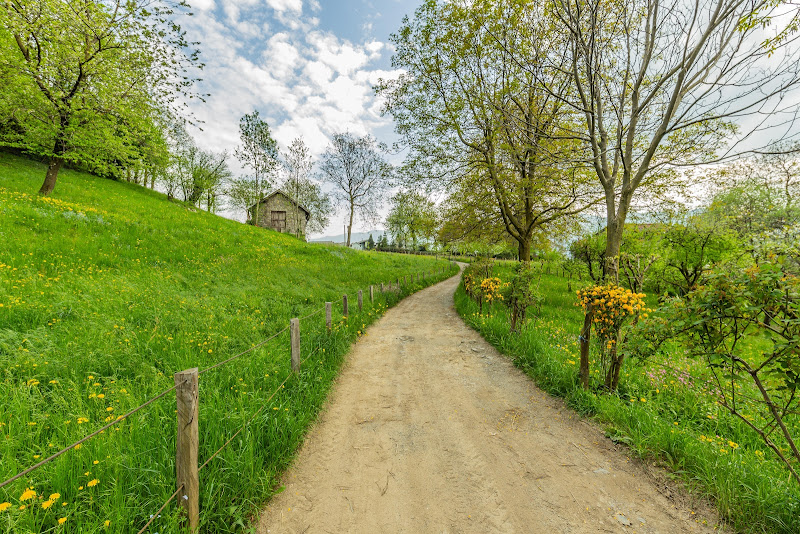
{"x": 106, "y": 290}
{"x": 660, "y": 412}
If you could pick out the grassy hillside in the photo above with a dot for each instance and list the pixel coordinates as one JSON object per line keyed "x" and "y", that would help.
{"x": 664, "y": 410}
{"x": 106, "y": 290}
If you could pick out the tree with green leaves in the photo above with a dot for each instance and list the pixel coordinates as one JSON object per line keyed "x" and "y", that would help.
{"x": 478, "y": 106}
{"x": 84, "y": 80}
{"x": 360, "y": 176}
{"x": 412, "y": 218}
{"x": 663, "y": 85}
{"x": 257, "y": 152}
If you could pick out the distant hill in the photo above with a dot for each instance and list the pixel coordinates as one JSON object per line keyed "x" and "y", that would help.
{"x": 357, "y": 236}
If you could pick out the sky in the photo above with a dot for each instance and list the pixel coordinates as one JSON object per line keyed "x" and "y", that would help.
{"x": 307, "y": 66}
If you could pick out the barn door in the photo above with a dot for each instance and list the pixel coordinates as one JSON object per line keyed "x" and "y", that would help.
{"x": 279, "y": 220}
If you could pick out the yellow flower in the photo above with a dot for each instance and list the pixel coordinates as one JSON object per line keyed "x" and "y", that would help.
{"x": 62, "y": 520}
{"x": 106, "y": 523}
{"x": 92, "y": 482}
{"x": 27, "y": 495}
{"x": 101, "y": 396}
{"x": 54, "y": 497}
{"x": 4, "y": 506}
{"x": 47, "y": 504}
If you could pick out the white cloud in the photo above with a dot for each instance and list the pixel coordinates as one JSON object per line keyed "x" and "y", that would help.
{"x": 295, "y": 6}
{"x": 302, "y": 80}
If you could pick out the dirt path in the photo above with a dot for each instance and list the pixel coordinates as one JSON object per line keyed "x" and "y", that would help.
{"x": 429, "y": 429}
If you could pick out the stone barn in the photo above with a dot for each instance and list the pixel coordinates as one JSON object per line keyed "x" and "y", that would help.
{"x": 280, "y": 212}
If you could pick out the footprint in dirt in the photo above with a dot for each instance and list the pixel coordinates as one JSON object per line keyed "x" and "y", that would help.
{"x": 406, "y": 339}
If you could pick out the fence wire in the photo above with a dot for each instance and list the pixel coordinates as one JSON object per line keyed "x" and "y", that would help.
{"x": 86, "y": 438}
{"x": 155, "y": 515}
{"x": 173, "y": 388}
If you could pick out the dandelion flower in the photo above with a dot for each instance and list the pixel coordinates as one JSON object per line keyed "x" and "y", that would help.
{"x": 62, "y": 520}
{"x": 47, "y": 504}
{"x": 54, "y": 497}
{"x": 27, "y": 495}
{"x": 92, "y": 483}
{"x": 4, "y": 506}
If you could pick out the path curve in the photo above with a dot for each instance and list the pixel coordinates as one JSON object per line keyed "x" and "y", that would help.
{"x": 430, "y": 429}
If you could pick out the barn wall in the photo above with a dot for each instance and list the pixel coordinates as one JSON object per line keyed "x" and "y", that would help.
{"x": 281, "y": 203}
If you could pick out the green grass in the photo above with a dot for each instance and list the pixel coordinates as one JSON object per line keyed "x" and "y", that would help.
{"x": 661, "y": 411}
{"x": 106, "y": 290}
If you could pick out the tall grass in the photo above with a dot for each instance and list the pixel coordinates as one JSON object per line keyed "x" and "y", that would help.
{"x": 107, "y": 290}
{"x": 661, "y": 411}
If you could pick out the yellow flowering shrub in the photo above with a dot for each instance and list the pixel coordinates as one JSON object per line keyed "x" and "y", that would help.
{"x": 611, "y": 305}
{"x": 490, "y": 289}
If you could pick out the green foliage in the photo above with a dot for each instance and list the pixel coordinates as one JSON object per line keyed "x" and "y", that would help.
{"x": 107, "y": 289}
{"x": 745, "y": 325}
{"x": 521, "y": 293}
{"x": 412, "y": 219}
{"x": 478, "y": 108}
{"x": 89, "y": 82}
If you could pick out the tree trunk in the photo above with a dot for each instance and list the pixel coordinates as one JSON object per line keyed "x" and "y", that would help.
{"x": 524, "y": 250}
{"x": 350, "y": 225}
{"x": 53, "y": 166}
{"x": 613, "y": 244}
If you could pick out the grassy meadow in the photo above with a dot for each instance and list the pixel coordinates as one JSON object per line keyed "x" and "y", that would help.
{"x": 106, "y": 290}
{"x": 663, "y": 410}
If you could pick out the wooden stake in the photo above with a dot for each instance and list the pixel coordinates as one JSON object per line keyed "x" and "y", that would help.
{"x": 328, "y": 316}
{"x": 360, "y": 301}
{"x": 372, "y": 293}
{"x": 187, "y": 442}
{"x": 382, "y": 287}
{"x": 294, "y": 328}
{"x": 344, "y": 306}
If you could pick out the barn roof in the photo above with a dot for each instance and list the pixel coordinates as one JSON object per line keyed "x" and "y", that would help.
{"x": 289, "y": 198}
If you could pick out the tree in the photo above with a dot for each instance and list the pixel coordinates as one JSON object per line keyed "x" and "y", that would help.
{"x": 306, "y": 192}
{"x": 359, "y": 175}
{"x": 476, "y": 116}
{"x": 370, "y": 242}
{"x": 693, "y": 245}
{"x": 258, "y": 152}
{"x": 663, "y": 85}
{"x": 83, "y": 80}
{"x": 758, "y": 194}
{"x": 412, "y": 218}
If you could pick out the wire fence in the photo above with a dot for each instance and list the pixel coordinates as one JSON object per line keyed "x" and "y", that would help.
{"x": 182, "y": 486}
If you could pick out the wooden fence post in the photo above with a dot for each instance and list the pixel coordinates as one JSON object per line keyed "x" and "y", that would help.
{"x": 372, "y": 294}
{"x": 382, "y": 287}
{"x": 187, "y": 443}
{"x": 328, "y": 316}
{"x": 294, "y": 328}
{"x": 360, "y": 301}
{"x": 344, "y": 306}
